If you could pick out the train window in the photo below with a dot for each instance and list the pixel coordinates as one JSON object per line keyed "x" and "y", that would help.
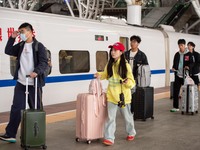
{"x": 101, "y": 60}
{"x": 13, "y": 64}
{"x": 74, "y": 61}
{"x": 125, "y": 41}
{"x": 49, "y": 62}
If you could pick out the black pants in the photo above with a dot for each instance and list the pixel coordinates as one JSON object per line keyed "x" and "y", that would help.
{"x": 177, "y": 85}
{"x": 19, "y": 104}
{"x": 196, "y": 79}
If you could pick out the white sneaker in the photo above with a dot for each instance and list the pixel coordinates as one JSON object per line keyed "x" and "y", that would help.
{"x": 6, "y": 138}
{"x": 174, "y": 110}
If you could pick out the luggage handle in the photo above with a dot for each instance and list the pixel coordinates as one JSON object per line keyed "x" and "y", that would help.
{"x": 100, "y": 91}
{"x": 96, "y": 101}
{"x": 26, "y": 92}
{"x": 187, "y": 79}
{"x": 97, "y": 95}
{"x": 98, "y": 87}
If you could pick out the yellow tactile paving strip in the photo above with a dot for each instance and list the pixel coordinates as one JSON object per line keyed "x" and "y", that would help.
{"x": 50, "y": 118}
{"x": 2, "y": 127}
{"x": 61, "y": 116}
{"x": 161, "y": 95}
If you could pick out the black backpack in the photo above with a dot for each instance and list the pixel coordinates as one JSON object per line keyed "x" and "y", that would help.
{"x": 48, "y": 69}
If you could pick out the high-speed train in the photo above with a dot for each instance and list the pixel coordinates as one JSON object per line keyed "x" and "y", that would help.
{"x": 79, "y": 48}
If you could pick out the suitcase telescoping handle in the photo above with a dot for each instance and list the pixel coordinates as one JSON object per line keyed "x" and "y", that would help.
{"x": 27, "y": 76}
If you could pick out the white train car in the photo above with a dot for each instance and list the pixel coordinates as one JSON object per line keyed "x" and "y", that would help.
{"x": 79, "y": 48}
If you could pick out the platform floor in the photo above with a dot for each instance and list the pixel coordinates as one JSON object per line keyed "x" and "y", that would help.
{"x": 168, "y": 131}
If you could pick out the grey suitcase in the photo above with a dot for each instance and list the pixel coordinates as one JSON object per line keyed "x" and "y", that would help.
{"x": 33, "y": 125}
{"x": 189, "y": 99}
{"x": 144, "y": 76}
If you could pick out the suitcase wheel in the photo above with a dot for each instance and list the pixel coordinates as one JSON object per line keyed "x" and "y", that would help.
{"x": 192, "y": 113}
{"x": 77, "y": 139}
{"x": 196, "y": 112}
{"x": 88, "y": 142}
{"x": 182, "y": 113}
{"x": 44, "y": 147}
{"x": 152, "y": 117}
{"x": 25, "y": 148}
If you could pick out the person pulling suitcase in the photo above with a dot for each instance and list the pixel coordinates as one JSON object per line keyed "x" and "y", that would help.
{"x": 119, "y": 74}
{"x": 29, "y": 62}
{"x": 180, "y": 62}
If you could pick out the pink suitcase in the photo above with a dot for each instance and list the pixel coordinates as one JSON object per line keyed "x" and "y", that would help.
{"x": 91, "y": 113}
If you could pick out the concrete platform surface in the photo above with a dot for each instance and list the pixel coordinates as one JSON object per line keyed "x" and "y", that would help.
{"x": 168, "y": 131}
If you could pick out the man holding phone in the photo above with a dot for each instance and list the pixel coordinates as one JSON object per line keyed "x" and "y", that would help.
{"x": 180, "y": 63}
{"x": 30, "y": 62}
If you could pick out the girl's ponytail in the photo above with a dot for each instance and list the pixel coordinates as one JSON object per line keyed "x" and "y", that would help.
{"x": 122, "y": 67}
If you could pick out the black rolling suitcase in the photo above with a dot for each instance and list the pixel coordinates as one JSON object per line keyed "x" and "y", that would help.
{"x": 33, "y": 124}
{"x": 143, "y": 103}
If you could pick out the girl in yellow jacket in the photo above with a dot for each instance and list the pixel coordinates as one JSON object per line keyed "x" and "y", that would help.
{"x": 119, "y": 74}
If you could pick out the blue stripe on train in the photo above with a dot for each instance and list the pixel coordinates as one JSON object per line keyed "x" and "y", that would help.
{"x": 69, "y": 78}
{"x": 52, "y": 79}
{"x": 162, "y": 71}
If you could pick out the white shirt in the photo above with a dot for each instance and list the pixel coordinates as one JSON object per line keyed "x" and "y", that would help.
{"x": 26, "y": 64}
{"x": 132, "y": 55}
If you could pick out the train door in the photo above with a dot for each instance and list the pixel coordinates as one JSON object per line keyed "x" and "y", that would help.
{"x": 101, "y": 60}
{"x": 167, "y": 58}
{"x": 125, "y": 41}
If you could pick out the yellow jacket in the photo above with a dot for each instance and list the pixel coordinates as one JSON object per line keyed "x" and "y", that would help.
{"x": 114, "y": 86}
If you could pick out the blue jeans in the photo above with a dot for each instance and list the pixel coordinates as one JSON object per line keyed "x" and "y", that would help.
{"x": 110, "y": 126}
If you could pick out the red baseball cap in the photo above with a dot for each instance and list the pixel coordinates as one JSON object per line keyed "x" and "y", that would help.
{"x": 117, "y": 46}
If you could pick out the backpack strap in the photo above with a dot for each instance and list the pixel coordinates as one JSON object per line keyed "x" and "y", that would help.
{"x": 21, "y": 44}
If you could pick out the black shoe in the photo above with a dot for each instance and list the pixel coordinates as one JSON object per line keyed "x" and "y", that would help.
{"x": 6, "y": 138}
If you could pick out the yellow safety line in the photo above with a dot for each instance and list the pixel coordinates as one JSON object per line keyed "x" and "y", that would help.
{"x": 61, "y": 116}
{"x": 161, "y": 95}
{"x": 50, "y": 118}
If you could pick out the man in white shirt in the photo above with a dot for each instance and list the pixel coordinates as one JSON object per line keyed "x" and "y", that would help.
{"x": 30, "y": 62}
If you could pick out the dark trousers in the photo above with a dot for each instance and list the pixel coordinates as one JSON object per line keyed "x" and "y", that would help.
{"x": 196, "y": 79}
{"x": 177, "y": 85}
{"x": 19, "y": 104}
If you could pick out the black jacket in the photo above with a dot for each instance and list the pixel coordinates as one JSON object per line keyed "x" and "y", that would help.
{"x": 195, "y": 62}
{"x": 39, "y": 58}
{"x": 187, "y": 61}
{"x": 140, "y": 58}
